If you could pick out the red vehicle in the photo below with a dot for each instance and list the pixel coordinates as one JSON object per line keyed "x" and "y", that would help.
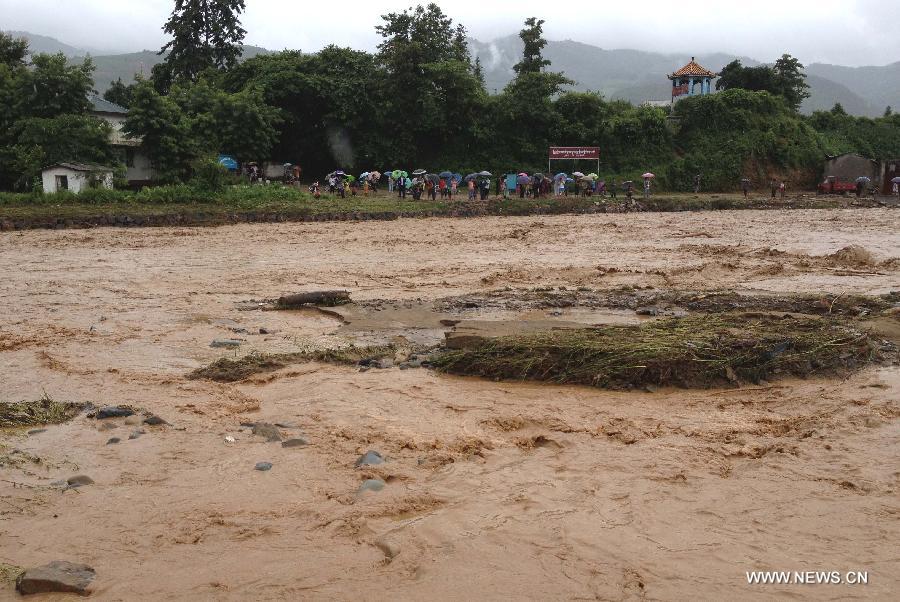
{"x": 833, "y": 185}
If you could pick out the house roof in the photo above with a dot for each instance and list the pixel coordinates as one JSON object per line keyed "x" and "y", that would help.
{"x": 79, "y": 167}
{"x": 693, "y": 69}
{"x": 101, "y": 105}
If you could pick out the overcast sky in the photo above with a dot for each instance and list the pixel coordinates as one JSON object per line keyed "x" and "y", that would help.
{"x": 846, "y": 32}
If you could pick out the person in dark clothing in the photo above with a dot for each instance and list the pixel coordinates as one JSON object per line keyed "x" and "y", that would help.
{"x": 485, "y": 186}
{"x": 774, "y": 186}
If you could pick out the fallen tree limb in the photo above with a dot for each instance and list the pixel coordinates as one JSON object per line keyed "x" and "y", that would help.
{"x": 327, "y": 298}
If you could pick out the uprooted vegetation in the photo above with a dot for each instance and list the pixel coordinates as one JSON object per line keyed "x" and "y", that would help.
{"x": 45, "y": 410}
{"x": 226, "y": 370}
{"x": 697, "y": 301}
{"x": 694, "y": 351}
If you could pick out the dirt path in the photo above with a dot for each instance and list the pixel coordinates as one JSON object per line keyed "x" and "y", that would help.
{"x": 494, "y": 490}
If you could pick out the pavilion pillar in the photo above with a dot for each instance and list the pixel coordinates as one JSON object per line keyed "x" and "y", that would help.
{"x": 690, "y": 86}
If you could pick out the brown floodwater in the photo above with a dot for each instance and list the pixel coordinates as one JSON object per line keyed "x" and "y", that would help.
{"x": 494, "y": 490}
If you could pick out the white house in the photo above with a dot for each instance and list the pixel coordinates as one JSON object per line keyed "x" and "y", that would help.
{"x": 138, "y": 170}
{"x": 75, "y": 177}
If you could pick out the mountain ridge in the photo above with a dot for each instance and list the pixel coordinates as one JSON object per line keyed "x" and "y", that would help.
{"x": 633, "y": 75}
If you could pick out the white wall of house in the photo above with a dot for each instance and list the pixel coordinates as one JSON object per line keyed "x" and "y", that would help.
{"x": 76, "y": 180}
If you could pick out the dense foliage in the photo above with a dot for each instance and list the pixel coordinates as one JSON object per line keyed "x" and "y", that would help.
{"x": 419, "y": 101}
{"x": 45, "y": 115}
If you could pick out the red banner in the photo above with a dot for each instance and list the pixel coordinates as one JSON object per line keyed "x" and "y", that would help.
{"x": 679, "y": 90}
{"x": 574, "y": 152}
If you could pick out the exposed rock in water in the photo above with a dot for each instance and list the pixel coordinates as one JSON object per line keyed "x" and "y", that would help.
{"x": 113, "y": 440}
{"x": 297, "y": 442}
{"x": 328, "y": 298}
{"x": 263, "y": 466}
{"x": 388, "y": 546}
{"x": 269, "y": 431}
{"x": 370, "y": 458}
{"x": 154, "y": 420}
{"x": 56, "y": 576}
{"x": 37, "y": 431}
{"x": 226, "y": 343}
{"x": 114, "y": 412}
{"x": 135, "y": 435}
{"x": 371, "y": 485}
{"x": 79, "y": 481}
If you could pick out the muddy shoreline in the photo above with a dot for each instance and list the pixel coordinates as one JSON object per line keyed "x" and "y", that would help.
{"x": 67, "y": 218}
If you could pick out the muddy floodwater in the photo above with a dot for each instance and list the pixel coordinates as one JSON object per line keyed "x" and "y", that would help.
{"x": 492, "y": 490}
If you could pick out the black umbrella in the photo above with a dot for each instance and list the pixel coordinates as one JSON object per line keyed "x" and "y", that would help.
{"x": 471, "y": 176}
{"x": 433, "y": 177}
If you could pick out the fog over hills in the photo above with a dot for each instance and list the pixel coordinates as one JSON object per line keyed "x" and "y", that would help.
{"x": 632, "y": 75}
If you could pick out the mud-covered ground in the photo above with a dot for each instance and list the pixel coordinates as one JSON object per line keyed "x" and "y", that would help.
{"x": 493, "y": 489}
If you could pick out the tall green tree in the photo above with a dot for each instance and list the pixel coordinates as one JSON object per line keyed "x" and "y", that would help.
{"x": 119, "y": 93}
{"x": 205, "y": 34}
{"x": 790, "y": 81}
{"x": 12, "y": 50}
{"x": 429, "y": 85}
{"x": 532, "y": 36}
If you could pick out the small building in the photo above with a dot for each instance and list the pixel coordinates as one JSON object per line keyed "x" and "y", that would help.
{"x": 890, "y": 169}
{"x": 849, "y": 166}
{"x": 138, "y": 168}
{"x": 75, "y": 177}
{"x": 686, "y": 79}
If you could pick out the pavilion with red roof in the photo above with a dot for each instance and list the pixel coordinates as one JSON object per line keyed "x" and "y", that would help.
{"x": 685, "y": 80}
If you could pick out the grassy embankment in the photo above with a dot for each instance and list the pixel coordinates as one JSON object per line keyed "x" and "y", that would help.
{"x": 184, "y": 205}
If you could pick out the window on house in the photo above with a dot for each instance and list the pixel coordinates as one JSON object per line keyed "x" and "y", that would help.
{"x": 129, "y": 157}
{"x": 62, "y": 182}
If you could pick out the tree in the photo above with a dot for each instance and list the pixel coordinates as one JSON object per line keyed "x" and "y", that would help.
{"x": 120, "y": 94}
{"x": 205, "y": 34}
{"x": 428, "y": 85}
{"x": 197, "y": 120}
{"x": 790, "y": 81}
{"x": 533, "y": 37}
{"x": 12, "y": 50}
{"x": 735, "y": 75}
{"x": 888, "y": 111}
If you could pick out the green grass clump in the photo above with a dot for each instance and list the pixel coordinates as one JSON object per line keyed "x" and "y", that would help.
{"x": 35, "y": 413}
{"x": 695, "y": 351}
{"x": 226, "y": 370}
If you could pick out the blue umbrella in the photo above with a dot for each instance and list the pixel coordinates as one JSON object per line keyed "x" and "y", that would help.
{"x": 471, "y": 176}
{"x": 458, "y": 177}
{"x": 523, "y": 180}
{"x": 228, "y": 162}
{"x": 560, "y": 176}
{"x": 446, "y": 174}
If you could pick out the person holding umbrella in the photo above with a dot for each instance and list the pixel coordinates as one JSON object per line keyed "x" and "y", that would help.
{"x": 647, "y": 177}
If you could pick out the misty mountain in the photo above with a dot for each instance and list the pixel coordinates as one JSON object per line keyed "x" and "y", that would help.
{"x": 109, "y": 67}
{"x": 639, "y": 76}
{"x": 633, "y": 75}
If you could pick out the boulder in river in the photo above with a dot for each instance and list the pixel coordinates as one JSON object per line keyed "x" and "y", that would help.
{"x": 371, "y": 485}
{"x": 370, "y": 458}
{"x": 79, "y": 481}
{"x": 225, "y": 343}
{"x": 269, "y": 431}
{"x": 56, "y": 576}
{"x": 295, "y": 442}
{"x": 263, "y": 466}
{"x": 114, "y": 412}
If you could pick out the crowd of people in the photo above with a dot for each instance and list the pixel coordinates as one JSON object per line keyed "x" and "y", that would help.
{"x": 421, "y": 184}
